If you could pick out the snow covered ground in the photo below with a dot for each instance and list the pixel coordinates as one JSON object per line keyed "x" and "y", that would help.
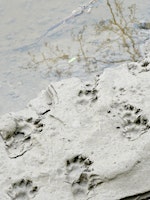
{"x": 78, "y": 48}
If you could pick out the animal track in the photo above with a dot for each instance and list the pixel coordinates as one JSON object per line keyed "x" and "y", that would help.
{"x": 135, "y": 68}
{"x": 22, "y": 190}
{"x": 134, "y": 123}
{"x": 80, "y": 176}
{"x": 18, "y": 137}
{"x": 89, "y": 94}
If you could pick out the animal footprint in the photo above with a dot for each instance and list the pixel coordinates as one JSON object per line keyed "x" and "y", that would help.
{"x": 89, "y": 94}
{"x": 134, "y": 123}
{"x": 17, "y": 137}
{"x": 80, "y": 176}
{"x": 22, "y": 190}
{"x": 135, "y": 68}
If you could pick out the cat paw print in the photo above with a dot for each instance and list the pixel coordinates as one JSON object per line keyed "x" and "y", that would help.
{"x": 81, "y": 176}
{"x": 22, "y": 190}
{"x": 18, "y": 136}
{"x": 89, "y": 94}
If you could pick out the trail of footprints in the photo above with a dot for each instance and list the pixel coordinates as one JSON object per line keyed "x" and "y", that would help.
{"x": 18, "y": 141}
{"x": 22, "y": 190}
{"x": 81, "y": 176}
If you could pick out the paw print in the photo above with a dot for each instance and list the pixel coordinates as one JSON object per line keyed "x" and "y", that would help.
{"x": 18, "y": 137}
{"x": 22, "y": 190}
{"x": 89, "y": 94}
{"x": 81, "y": 176}
{"x": 132, "y": 121}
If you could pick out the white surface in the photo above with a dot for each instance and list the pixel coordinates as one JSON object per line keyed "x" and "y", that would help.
{"x": 22, "y": 22}
{"x": 80, "y": 140}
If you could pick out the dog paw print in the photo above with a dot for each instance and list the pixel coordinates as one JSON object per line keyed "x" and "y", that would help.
{"x": 22, "y": 190}
{"x": 17, "y": 137}
{"x": 89, "y": 94}
{"x": 80, "y": 176}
